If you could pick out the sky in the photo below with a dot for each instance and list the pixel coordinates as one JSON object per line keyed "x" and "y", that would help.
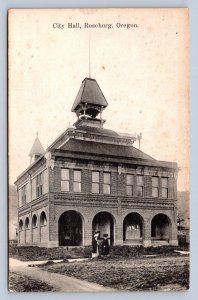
{"x": 143, "y": 72}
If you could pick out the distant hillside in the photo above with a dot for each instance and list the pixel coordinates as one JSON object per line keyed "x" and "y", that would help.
{"x": 13, "y": 203}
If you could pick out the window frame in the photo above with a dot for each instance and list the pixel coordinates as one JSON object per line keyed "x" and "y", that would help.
{"x": 65, "y": 180}
{"x": 140, "y": 186}
{"x": 23, "y": 194}
{"x": 164, "y": 187}
{"x": 132, "y": 185}
{"x": 39, "y": 184}
{"x": 156, "y": 187}
{"x": 95, "y": 182}
{"x": 106, "y": 183}
{"x": 79, "y": 182}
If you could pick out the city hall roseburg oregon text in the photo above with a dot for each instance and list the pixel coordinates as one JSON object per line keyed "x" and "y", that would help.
{"x": 93, "y": 179}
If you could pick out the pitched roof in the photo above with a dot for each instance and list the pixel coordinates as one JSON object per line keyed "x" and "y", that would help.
{"x": 37, "y": 148}
{"x": 102, "y": 131}
{"x": 91, "y": 93}
{"x": 97, "y": 148}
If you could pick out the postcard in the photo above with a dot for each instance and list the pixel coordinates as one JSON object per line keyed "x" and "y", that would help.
{"x": 98, "y": 108}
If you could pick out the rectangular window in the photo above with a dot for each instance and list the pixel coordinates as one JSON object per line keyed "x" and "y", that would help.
{"x": 107, "y": 183}
{"x": 95, "y": 182}
{"x": 139, "y": 187}
{"x": 155, "y": 187}
{"x": 77, "y": 181}
{"x": 165, "y": 187}
{"x": 23, "y": 193}
{"x": 65, "y": 180}
{"x": 130, "y": 184}
{"x": 39, "y": 185}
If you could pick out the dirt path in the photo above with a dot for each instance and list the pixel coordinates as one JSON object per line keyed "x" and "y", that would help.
{"x": 60, "y": 282}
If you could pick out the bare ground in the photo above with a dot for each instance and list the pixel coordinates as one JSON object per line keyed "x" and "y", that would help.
{"x": 132, "y": 274}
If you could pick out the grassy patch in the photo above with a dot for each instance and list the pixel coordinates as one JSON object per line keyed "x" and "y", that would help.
{"x": 130, "y": 274}
{"x": 18, "y": 283}
{"x": 30, "y": 253}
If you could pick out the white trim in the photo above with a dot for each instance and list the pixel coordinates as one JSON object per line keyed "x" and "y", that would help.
{"x": 63, "y": 143}
{"x": 38, "y": 172}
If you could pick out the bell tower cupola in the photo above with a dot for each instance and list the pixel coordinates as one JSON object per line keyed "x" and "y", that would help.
{"x": 89, "y": 104}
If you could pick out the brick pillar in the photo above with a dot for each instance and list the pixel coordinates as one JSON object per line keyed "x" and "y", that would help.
{"x": 39, "y": 231}
{"x": 114, "y": 179}
{"x": 147, "y": 233}
{"x": 121, "y": 183}
{"x": 87, "y": 230}
{"x": 101, "y": 182}
{"x": 147, "y": 186}
{"x": 118, "y": 228}
{"x": 53, "y": 224}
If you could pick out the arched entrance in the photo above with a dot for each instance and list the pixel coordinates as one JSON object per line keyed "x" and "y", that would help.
{"x": 161, "y": 228}
{"x": 70, "y": 229}
{"x": 104, "y": 223}
{"x": 35, "y": 232}
{"x": 43, "y": 227}
{"x": 133, "y": 229}
{"x": 27, "y": 231}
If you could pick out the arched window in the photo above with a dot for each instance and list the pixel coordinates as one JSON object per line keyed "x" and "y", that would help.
{"x": 43, "y": 219}
{"x": 34, "y": 221}
{"x": 20, "y": 225}
{"x": 27, "y": 223}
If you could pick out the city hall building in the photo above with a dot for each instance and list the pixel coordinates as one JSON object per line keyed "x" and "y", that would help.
{"x": 93, "y": 179}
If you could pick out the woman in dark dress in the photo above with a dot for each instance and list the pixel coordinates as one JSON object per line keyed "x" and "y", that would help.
{"x": 105, "y": 245}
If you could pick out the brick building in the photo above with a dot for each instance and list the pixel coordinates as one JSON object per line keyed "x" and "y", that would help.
{"x": 91, "y": 178}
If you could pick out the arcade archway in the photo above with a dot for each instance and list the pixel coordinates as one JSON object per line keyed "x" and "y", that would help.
{"x": 161, "y": 228}
{"x": 104, "y": 223}
{"x": 70, "y": 228}
{"x": 133, "y": 228}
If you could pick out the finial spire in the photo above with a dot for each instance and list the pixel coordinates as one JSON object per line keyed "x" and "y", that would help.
{"x": 89, "y": 60}
{"x": 37, "y": 149}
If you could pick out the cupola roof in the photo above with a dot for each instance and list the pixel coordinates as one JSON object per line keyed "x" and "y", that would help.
{"x": 37, "y": 148}
{"x": 89, "y": 93}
